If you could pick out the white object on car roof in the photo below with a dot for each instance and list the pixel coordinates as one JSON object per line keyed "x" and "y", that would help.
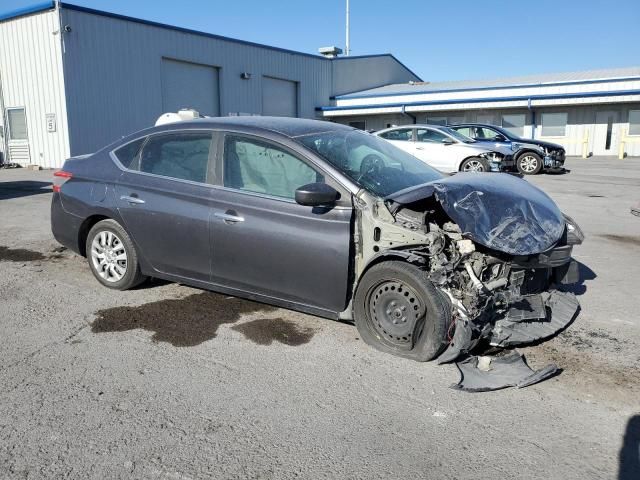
{"x": 183, "y": 115}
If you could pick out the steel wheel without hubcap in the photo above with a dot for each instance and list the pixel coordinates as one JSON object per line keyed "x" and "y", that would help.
{"x": 395, "y": 308}
{"x": 109, "y": 256}
{"x": 398, "y": 310}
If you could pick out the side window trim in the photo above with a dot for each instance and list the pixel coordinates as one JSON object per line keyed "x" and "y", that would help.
{"x": 343, "y": 202}
{"x": 267, "y": 141}
{"x": 215, "y": 136}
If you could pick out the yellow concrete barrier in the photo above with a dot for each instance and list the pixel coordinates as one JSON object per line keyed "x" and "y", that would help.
{"x": 624, "y": 140}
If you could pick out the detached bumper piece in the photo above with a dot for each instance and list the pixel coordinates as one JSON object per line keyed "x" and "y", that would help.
{"x": 530, "y": 319}
{"x": 483, "y": 374}
{"x": 534, "y": 318}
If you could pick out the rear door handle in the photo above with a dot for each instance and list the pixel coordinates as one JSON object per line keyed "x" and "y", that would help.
{"x": 229, "y": 217}
{"x": 419, "y": 148}
{"x": 131, "y": 199}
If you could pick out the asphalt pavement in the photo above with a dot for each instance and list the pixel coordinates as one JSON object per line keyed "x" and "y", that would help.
{"x": 170, "y": 382}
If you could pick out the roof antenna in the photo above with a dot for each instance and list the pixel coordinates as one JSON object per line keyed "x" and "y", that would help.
{"x": 347, "y": 49}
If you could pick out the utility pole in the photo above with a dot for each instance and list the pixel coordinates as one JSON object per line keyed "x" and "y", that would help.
{"x": 347, "y": 49}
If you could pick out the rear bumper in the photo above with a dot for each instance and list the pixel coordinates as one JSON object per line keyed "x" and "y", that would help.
{"x": 65, "y": 227}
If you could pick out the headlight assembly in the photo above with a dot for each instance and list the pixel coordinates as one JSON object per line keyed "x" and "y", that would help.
{"x": 575, "y": 236}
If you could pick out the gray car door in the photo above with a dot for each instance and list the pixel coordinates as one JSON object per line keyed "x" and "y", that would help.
{"x": 165, "y": 202}
{"x": 266, "y": 243}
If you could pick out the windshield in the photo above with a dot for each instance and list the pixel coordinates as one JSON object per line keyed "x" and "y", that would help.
{"x": 457, "y": 135}
{"x": 371, "y": 162}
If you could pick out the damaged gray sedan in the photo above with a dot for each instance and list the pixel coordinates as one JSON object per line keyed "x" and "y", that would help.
{"x": 329, "y": 220}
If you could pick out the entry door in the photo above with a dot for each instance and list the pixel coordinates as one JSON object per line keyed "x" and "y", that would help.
{"x": 18, "y": 136}
{"x": 165, "y": 203}
{"x": 266, "y": 243}
{"x": 605, "y": 135}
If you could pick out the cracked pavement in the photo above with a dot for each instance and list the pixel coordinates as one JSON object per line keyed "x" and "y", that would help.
{"x": 168, "y": 381}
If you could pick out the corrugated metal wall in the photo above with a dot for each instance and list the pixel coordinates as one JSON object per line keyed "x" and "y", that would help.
{"x": 113, "y": 71}
{"x": 31, "y": 75}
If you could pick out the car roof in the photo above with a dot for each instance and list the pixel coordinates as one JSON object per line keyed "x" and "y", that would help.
{"x": 287, "y": 126}
{"x": 416, "y": 125}
{"x": 471, "y": 124}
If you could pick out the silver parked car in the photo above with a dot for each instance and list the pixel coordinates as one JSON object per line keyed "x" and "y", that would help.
{"x": 448, "y": 150}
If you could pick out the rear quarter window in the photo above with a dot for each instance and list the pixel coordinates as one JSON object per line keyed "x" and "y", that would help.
{"x": 128, "y": 154}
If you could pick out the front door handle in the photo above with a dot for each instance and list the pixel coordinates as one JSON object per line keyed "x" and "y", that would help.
{"x": 229, "y": 217}
{"x": 419, "y": 148}
{"x": 132, "y": 199}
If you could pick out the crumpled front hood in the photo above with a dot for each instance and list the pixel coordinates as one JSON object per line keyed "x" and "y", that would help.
{"x": 497, "y": 210}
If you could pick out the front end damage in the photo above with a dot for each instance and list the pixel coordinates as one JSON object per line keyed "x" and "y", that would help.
{"x": 498, "y": 249}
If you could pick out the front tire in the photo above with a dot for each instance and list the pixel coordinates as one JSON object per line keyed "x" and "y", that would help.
{"x": 529, "y": 163}
{"x": 397, "y": 310}
{"x": 475, "y": 164}
{"x": 112, "y": 256}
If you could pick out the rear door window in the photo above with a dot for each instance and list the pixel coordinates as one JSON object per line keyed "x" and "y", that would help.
{"x": 184, "y": 156}
{"x": 430, "y": 136}
{"x": 256, "y": 166}
{"x": 464, "y": 131}
{"x": 128, "y": 155}
{"x": 401, "y": 134}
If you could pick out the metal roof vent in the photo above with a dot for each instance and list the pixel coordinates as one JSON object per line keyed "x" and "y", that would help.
{"x": 329, "y": 52}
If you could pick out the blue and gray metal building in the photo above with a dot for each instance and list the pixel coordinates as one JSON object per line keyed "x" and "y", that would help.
{"x": 589, "y": 113}
{"x": 73, "y": 79}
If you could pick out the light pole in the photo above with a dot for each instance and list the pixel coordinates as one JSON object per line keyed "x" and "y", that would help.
{"x": 347, "y": 49}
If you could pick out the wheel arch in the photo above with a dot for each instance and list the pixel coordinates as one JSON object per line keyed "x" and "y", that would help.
{"x": 84, "y": 229}
{"x": 524, "y": 151}
{"x": 385, "y": 256}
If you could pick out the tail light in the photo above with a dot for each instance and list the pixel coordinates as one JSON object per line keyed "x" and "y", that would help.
{"x": 59, "y": 178}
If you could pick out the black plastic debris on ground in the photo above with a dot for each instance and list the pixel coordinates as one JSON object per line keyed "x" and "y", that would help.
{"x": 483, "y": 373}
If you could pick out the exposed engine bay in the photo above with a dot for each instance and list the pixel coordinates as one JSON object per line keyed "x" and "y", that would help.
{"x": 499, "y": 256}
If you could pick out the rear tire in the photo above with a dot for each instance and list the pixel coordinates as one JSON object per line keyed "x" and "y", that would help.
{"x": 112, "y": 256}
{"x": 529, "y": 163}
{"x": 475, "y": 164}
{"x": 397, "y": 310}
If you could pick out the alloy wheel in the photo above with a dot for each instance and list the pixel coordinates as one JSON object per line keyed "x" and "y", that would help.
{"x": 528, "y": 163}
{"x": 109, "y": 256}
{"x": 473, "y": 166}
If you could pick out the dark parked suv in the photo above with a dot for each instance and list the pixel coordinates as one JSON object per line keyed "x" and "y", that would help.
{"x": 531, "y": 155}
{"x": 326, "y": 219}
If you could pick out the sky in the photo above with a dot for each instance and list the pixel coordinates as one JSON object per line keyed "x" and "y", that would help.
{"x": 438, "y": 40}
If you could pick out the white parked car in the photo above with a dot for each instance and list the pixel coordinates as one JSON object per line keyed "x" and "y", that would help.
{"x": 448, "y": 150}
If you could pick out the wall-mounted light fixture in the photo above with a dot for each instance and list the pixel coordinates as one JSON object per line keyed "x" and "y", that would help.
{"x": 245, "y": 75}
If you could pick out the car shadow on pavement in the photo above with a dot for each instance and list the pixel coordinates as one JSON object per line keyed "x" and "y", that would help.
{"x": 629, "y": 456}
{"x": 585, "y": 274}
{"x": 23, "y": 188}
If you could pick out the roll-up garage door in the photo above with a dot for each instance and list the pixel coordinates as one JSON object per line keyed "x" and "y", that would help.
{"x": 279, "y": 97}
{"x": 190, "y": 85}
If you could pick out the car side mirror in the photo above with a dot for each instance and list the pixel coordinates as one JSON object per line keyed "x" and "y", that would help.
{"x": 447, "y": 141}
{"x": 499, "y": 138}
{"x": 316, "y": 195}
